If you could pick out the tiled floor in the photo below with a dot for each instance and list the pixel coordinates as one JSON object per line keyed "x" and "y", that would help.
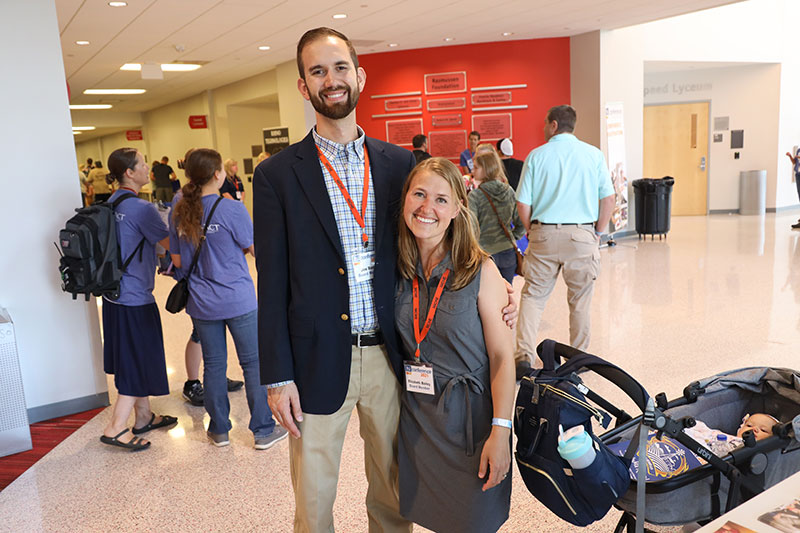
{"x": 722, "y": 292}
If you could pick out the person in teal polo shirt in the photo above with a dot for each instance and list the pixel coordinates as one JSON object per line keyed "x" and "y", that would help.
{"x": 565, "y": 198}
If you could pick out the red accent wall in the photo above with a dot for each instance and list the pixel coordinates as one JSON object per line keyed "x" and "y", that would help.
{"x": 542, "y": 64}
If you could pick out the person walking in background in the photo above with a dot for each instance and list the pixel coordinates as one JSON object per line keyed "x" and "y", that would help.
{"x": 495, "y": 208}
{"x": 466, "y": 156}
{"x": 795, "y": 159}
{"x": 513, "y": 167}
{"x": 232, "y": 187}
{"x": 454, "y": 442}
{"x": 133, "y": 347}
{"x": 98, "y": 187}
{"x": 221, "y": 294}
{"x": 420, "y": 144}
{"x": 163, "y": 177}
{"x": 565, "y": 198}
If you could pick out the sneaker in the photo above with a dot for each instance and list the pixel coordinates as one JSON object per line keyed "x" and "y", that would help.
{"x": 523, "y": 368}
{"x": 234, "y": 385}
{"x": 193, "y": 392}
{"x": 218, "y": 439}
{"x": 277, "y": 435}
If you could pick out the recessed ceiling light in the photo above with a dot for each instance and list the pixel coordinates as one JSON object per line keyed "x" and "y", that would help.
{"x": 91, "y": 106}
{"x": 114, "y": 91}
{"x": 265, "y": 48}
{"x": 392, "y": 45}
{"x": 77, "y": 132}
{"x": 448, "y": 39}
{"x": 340, "y": 16}
{"x": 118, "y": 4}
{"x": 165, "y": 67}
{"x": 82, "y": 43}
{"x": 82, "y": 128}
{"x": 507, "y": 33}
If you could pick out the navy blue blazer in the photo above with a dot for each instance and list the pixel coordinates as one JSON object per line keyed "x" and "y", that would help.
{"x": 303, "y": 292}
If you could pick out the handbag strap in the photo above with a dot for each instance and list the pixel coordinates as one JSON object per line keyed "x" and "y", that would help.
{"x": 499, "y": 220}
{"x": 203, "y": 237}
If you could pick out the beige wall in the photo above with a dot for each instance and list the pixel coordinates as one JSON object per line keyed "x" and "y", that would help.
{"x": 584, "y": 80}
{"x": 166, "y": 129}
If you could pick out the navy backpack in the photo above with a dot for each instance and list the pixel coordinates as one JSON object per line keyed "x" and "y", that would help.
{"x": 555, "y": 395}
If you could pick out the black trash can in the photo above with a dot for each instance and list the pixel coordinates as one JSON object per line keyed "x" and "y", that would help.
{"x": 653, "y": 201}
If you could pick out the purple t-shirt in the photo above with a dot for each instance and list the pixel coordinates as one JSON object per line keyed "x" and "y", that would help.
{"x": 220, "y": 286}
{"x": 137, "y": 218}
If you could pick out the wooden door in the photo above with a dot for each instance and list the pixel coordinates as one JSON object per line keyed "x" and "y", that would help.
{"x": 676, "y": 144}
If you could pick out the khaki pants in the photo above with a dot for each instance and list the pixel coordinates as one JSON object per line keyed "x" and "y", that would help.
{"x": 164, "y": 194}
{"x": 572, "y": 250}
{"x": 315, "y": 457}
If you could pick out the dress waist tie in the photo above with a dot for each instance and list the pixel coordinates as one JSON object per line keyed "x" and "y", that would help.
{"x": 470, "y": 382}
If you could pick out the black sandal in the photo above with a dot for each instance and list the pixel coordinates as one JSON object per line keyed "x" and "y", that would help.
{"x": 134, "y": 445}
{"x": 166, "y": 420}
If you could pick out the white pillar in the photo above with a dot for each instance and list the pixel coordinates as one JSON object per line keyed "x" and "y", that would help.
{"x": 58, "y": 339}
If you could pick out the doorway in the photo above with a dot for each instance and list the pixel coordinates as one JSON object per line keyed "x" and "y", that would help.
{"x": 676, "y": 144}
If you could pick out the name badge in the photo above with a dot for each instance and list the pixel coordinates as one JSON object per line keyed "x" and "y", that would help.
{"x": 419, "y": 377}
{"x": 363, "y": 266}
{"x": 238, "y": 195}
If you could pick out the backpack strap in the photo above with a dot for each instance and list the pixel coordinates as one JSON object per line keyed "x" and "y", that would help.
{"x": 551, "y": 352}
{"x": 139, "y": 247}
{"x": 202, "y": 238}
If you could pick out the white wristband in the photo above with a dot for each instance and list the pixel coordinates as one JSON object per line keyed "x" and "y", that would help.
{"x": 502, "y": 422}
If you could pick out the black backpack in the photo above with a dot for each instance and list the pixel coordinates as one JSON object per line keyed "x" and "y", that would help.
{"x": 90, "y": 257}
{"x": 555, "y": 395}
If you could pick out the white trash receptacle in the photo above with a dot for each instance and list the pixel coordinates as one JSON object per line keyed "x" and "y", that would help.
{"x": 753, "y": 192}
{"x": 15, "y": 433}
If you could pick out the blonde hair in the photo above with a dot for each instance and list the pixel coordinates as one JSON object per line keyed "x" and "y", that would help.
{"x": 262, "y": 156}
{"x": 465, "y": 252}
{"x": 228, "y": 165}
{"x": 492, "y": 166}
{"x": 485, "y": 148}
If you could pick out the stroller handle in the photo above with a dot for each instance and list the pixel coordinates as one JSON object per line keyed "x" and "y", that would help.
{"x": 551, "y": 353}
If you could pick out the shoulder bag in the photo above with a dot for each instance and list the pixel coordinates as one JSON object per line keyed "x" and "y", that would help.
{"x": 179, "y": 295}
{"x": 520, "y": 257}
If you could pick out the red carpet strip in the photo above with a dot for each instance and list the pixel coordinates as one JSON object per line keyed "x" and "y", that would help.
{"x": 45, "y": 436}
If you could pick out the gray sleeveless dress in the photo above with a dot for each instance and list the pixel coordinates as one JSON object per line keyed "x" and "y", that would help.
{"x": 441, "y": 436}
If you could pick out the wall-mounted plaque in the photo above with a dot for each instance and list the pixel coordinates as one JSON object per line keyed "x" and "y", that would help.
{"x": 489, "y": 98}
{"x": 447, "y": 144}
{"x": 446, "y": 82}
{"x": 402, "y": 104}
{"x": 447, "y": 120}
{"x": 493, "y": 126}
{"x": 400, "y": 132}
{"x": 443, "y": 104}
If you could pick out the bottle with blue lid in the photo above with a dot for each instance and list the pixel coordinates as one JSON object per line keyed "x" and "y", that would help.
{"x": 576, "y": 447}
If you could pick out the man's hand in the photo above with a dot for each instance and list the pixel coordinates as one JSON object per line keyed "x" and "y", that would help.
{"x": 510, "y": 311}
{"x": 285, "y": 404}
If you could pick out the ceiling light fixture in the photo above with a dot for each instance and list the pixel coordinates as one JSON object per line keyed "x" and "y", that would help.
{"x": 82, "y": 43}
{"x": 392, "y": 45}
{"x": 165, "y": 67}
{"x": 340, "y": 16}
{"x": 507, "y": 33}
{"x": 90, "y": 106}
{"x": 448, "y": 39}
{"x": 77, "y": 132}
{"x": 82, "y": 128}
{"x": 114, "y": 91}
{"x": 118, "y": 4}
{"x": 264, "y": 48}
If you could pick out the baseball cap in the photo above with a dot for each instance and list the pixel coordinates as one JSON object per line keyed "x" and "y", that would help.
{"x": 505, "y": 147}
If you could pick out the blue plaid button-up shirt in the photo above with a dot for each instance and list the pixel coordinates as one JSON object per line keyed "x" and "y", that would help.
{"x": 348, "y": 161}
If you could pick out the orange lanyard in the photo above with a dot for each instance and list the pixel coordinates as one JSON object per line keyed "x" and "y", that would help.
{"x": 420, "y": 336}
{"x": 360, "y": 217}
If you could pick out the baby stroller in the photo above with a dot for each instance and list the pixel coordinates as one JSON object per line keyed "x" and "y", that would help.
{"x": 699, "y": 494}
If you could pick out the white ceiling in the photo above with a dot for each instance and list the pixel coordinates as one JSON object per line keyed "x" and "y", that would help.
{"x": 226, "y": 34}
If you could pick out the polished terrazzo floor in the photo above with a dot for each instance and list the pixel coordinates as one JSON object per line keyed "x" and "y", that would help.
{"x": 721, "y": 292}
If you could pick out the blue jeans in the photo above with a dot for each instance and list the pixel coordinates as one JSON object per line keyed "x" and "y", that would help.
{"x": 244, "y": 330}
{"x": 506, "y": 262}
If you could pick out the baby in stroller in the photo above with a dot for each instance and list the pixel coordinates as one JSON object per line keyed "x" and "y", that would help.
{"x": 719, "y": 442}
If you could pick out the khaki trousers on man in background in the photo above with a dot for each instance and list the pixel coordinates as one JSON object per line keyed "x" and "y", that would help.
{"x": 568, "y": 248}
{"x": 315, "y": 456}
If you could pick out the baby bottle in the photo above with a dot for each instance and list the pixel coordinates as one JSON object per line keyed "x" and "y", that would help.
{"x": 576, "y": 446}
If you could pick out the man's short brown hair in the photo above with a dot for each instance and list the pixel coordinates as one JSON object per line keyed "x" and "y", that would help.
{"x": 319, "y": 33}
{"x": 565, "y": 116}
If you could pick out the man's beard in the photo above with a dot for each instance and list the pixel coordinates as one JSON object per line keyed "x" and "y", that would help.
{"x": 339, "y": 110}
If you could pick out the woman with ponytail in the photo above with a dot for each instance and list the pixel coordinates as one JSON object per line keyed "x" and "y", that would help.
{"x": 133, "y": 349}
{"x": 221, "y": 294}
